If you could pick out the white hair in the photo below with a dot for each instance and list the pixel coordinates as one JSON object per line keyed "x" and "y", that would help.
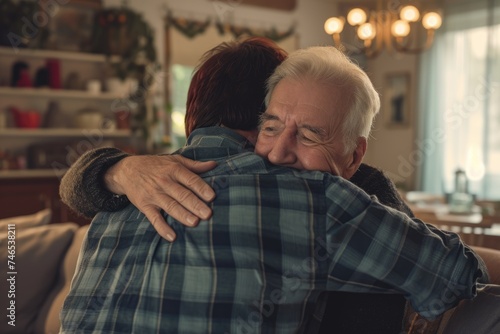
{"x": 326, "y": 64}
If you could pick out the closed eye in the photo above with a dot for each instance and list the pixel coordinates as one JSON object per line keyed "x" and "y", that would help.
{"x": 271, "y": 126}
{"x": 309, "y": 137}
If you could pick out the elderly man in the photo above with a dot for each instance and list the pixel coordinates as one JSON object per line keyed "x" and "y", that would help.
{"x": 277, "y": 238}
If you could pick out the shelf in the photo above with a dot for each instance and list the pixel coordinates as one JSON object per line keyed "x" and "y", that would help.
{"x": 47, "y": 133}
{"x": 31, "y": 173}
{"x": 16, "y": 140}
{"x": 57, "y": 93}
{"x": 63, "y": 55}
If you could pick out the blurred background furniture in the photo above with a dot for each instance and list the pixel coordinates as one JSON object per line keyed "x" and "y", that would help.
{"x": 480, "y": 227}
{"x": 45, "y": 261}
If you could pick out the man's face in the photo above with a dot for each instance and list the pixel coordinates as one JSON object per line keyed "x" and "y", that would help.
{"x": 301, "y": 128}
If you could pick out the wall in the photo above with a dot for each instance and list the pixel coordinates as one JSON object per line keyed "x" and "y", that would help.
{"x": 389, "y": 147}
{"x": 309, "y": 16}
{"x": 395, "y": 150}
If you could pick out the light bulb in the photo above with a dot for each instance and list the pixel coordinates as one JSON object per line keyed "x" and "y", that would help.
{"x": 356, "y": 16}
{"x": 409, "y": 14}
{"x": 334, "y": 25}
{"x": 432, "y": 20}
{"x": 400, "y": 28}
{"x": 366, "y": 31}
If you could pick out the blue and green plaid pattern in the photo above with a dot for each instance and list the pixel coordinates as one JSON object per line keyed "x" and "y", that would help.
{"x": 277, "y": 239}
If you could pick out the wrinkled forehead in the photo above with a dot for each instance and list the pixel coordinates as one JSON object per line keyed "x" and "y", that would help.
{"x": 316, "y": 103}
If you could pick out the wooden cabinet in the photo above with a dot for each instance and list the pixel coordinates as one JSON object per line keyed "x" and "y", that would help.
{"x": 27, "y": 195}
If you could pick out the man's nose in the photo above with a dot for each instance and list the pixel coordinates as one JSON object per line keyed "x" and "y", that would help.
{"x": 283, "y": 150}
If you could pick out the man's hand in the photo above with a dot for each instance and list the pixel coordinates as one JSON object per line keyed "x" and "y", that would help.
{"x": 167, "y": 182}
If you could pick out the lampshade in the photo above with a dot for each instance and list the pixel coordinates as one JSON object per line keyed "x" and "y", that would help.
{"x": 385, "y": 28}
{"x": 366, "y": 31}
{"x": 400, "y": 28}
{"x": 432, "y": 20}
{"x": 334, "y": 25}
{"x": 409, "y": 14}
{"x": 356, "y": 16}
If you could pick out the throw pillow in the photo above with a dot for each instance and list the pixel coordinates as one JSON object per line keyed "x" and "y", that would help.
{"x": 23, "y": 222}
{"x": 48, "y": 318}
{"x": 38, "y": 254}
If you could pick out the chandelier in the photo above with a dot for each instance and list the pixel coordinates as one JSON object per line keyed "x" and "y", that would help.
{"x": 405, "y": 29}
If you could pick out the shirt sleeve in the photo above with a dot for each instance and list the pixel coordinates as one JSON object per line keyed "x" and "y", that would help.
{"x": 376, "y": 248}
{"x": 82, "y": 187}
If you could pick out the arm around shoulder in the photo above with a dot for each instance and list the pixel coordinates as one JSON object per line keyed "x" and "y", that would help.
{"x": 382, "y": 248}
{"x": 82, "y": 187}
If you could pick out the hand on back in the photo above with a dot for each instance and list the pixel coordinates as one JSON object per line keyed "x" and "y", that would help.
{"x": 169, "y": 182}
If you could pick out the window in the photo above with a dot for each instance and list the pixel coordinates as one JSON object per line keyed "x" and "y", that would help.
{"x": 460, "y": 101}
{"x": 181, "y": 78}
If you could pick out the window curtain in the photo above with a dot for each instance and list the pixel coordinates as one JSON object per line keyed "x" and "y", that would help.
{"x": 459, "y": 101}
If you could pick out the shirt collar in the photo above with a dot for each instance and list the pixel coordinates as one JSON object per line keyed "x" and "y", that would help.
{"x": 215, "y": 142}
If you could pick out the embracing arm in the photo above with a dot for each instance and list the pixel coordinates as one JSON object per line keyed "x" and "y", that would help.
{"x": 374, "y": 182}
{"x": 376, "y": 247}
{"x": 152, "y": 183}
{"x": 82, "y": 187}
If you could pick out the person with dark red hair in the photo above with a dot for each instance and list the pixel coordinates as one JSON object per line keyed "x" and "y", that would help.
{"x": 231, "y": 77}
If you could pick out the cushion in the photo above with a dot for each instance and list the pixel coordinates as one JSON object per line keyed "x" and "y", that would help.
{"x": 478, "y": 315}
{"x": 48, "y": 318}
{"x": 491, "y": 258}
{"x": 38, "y": 254}
{"x": 23, "y": 222}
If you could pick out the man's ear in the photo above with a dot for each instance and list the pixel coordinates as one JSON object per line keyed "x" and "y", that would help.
{"x": 356, "y": 158}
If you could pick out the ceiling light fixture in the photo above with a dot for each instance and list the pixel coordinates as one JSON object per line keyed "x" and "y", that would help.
{"x": 397, "y": 29}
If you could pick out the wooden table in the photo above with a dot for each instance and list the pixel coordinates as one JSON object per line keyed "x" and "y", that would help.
{"x": 471, "y": 227}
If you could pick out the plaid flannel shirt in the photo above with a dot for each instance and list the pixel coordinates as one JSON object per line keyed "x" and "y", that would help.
{"x": 277, "y": 239}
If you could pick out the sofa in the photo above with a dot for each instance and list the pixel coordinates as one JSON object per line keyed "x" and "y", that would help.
{"x": 43, "y": 260}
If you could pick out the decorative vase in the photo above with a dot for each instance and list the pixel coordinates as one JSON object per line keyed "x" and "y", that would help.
{"x": 122, "y": 87}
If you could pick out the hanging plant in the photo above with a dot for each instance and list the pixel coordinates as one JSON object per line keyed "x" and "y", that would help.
{"x": 189, "y": 28}
{"x": 142, "y": 124}
{"x": 123, "y": 32}
{"x": 238, "y": 31}
{"x": 277, "y": 36}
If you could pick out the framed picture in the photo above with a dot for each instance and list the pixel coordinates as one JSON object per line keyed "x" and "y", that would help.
{"x": 396, "y": 95}
{"x": 70, "y": 28}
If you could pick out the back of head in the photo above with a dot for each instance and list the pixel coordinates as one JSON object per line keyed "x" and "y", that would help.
{"x": 327, "y": 65}
{"x": 229, "y": 85}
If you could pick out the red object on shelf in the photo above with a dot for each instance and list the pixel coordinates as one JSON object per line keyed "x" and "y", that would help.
{"x": 122, "y": 119}
{"x": 54, "y": 68}
{"x": 24, "y": 79}
{"x": 26, "y": 119}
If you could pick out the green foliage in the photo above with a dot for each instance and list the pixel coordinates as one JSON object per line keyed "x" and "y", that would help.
{"x": 123, "y": 32}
